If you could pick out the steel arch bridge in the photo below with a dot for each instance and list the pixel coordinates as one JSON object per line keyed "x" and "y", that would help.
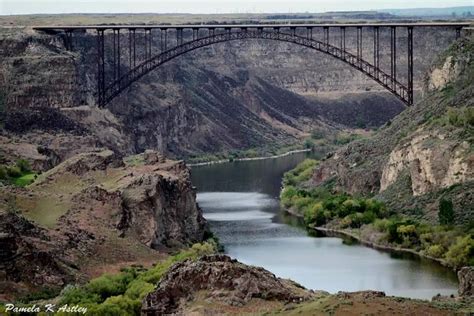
{"x": 158, "y": 49}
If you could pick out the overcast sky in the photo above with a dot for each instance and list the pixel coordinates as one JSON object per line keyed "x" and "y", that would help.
{"x": 212, "y": 6}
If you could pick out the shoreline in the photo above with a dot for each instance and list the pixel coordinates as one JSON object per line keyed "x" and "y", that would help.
{"x": 342, "y": 233}
{"x": 207, "y": 163}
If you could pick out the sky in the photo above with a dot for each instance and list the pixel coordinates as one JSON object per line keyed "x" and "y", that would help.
{"x": 213, "y": 6}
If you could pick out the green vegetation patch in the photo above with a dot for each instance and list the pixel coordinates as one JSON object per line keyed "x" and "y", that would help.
{"x": 122, "y": 293}
{"x": 19, "y": 174}
{"x": 301, "y": 173}
{"x": 320, "y": 206}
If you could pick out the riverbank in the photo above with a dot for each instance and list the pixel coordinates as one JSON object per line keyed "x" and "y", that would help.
{"x": 371, "y": 222}
{"x": 341, "y": 233}
{"x": 207, "y": 163}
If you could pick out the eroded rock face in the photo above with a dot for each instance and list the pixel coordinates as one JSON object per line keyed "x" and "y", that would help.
{"x": 28, "y": 253}
{"x": 223, "y": 279}
{"x": 94, "y": 207}
{"x": 441, "y": 76}
{"x": 419, "y": 157}
{"x": 466, "y": 281}
{"x": 152, "y": 200}
{"x": 432, "y": 160}
{"x": 159, "y": 205}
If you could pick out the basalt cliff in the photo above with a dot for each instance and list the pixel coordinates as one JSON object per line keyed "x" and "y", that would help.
{"x": 423, "y": 155}
{"x": 93, "y": 213}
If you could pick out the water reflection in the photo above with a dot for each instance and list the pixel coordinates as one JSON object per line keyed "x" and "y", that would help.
{"x": 240, "y": 202}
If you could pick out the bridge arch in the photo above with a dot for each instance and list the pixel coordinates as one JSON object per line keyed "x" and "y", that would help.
{"x": 390, "y": 83}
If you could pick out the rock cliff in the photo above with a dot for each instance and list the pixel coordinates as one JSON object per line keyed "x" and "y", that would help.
{"x": 94, "y": 207}
{"x": 425, "y": 153}
{"x": 466, "y": 281}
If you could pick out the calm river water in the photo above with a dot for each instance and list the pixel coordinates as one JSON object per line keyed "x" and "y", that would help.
{"x": 240, "y": 201}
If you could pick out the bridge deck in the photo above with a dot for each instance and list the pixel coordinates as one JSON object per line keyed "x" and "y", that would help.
{"x": 267, "y": 25}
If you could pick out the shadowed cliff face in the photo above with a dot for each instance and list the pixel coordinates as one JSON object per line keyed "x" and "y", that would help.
{"x": 233, "y": 95}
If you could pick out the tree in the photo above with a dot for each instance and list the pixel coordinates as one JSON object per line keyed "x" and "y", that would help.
{"x": 446, "y": 212}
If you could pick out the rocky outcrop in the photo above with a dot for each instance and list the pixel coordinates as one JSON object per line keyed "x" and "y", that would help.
{"x": 29, "y": 255}
{"x": 159, "y": 204}
{"x": 223, "y": 280}
{"x": 94, "y": 207}
{"x": 151, "y": 200}
{"x": 432, "y": 160}
{"x": 441, "y": 76}
{"x": 423, "y": 155}
{"x": 466, "y": 281}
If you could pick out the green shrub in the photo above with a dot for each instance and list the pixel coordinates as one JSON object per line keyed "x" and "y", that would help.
{"x": 469, "y": 116}
{"x": 436, "y": 251}
{"x": 308, "y": 144}
{"x": 346, "y": 222}
{"x": 368, "y": 217}
{"x": 317, "y": 134}
{"x": 406, "y": 230}
{"x": 376, "y": 207}
{"x": 287, "y": 195}
{"x": 138, "y": 289}
{"x": 78, "y": 295}
{"x": 446, "y": 212}
{"x": 315, "y": 215}
{"x": 117, "y": 306}
{"x": 381, "y": 224}
{"x": 356, "y": 220}
{"x": 461, "y": 253}
{"x": 110, "y": 285}
{"x": 392, "y": 231}
{"x": 349, "y": 207}
{"x": 24, "y": 166}
{"x": 302, "y": 202}
{"x": 14, "y": 172}
{"x": 301, "y": 173}
{"x": 460, "y": 117}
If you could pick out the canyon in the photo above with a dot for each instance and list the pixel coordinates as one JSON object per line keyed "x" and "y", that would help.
{"x": 111, "y": 189}
{"x": 234, "y": 96}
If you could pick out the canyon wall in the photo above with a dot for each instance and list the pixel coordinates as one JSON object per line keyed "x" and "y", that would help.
{"x": 424, "y": 154}
{"x": 93, "y": 213}
{"x": 234, "y": 95}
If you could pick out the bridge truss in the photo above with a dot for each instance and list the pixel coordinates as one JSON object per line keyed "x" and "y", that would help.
{"x": 162, "y": 43}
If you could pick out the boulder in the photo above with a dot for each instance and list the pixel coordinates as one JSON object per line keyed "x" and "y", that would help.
{"x": 466, "y": 281}
{"x": 222, "y": 279}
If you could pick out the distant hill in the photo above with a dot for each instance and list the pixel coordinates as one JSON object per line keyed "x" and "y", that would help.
{"x": 466, "y": 11}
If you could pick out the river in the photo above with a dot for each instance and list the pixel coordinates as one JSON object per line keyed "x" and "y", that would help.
{"x": 240, "y": 201}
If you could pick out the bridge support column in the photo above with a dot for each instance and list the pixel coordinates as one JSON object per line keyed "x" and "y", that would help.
{"x": 359, "y": 45}
{"x": 393, "y": 55}
{"x": 343, "y": 42}
{"x": 410, "y": 65}
{"x": 114, "y": 54}
{"x": 68, "y": 40}
{"x": 377, "y": 52}
{"x": 326, "y": 37}
{"x": 100, "y": 68}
